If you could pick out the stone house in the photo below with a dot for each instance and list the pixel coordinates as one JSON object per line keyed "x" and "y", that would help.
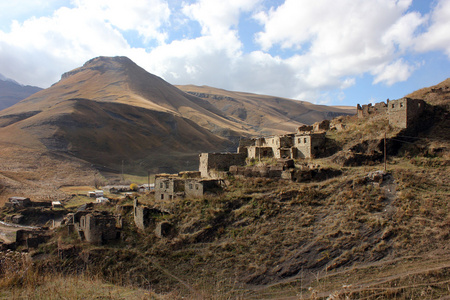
{"x": 212, "y": 164}
{"x": 403, "y": 113}
{"x": 308, "y": 145}
{"x": 168, "y": 187}
{"x": 195, "y": 188}
{"x": 97, "y": 227}
{"x": 290, "y": 146}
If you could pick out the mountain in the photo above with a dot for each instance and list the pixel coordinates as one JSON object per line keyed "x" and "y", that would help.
{"x": 111, "y": 113}
{"x": 115, "y": 116}
{"x": 12, "y": 92}
{"x": 266, "y": 114}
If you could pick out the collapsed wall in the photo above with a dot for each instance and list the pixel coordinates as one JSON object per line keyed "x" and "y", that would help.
{"x": 401, "y": 113}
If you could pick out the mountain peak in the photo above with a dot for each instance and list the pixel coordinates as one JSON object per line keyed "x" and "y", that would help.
{"x": 103, "y": 64}
{"x": 3, "y": 78}
{"x": 101, "y": 60}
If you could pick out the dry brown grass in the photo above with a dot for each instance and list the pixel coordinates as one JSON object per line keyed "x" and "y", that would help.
{"x": 20, "y": 279}
{"x": 269, "y": 239}
{"x": 39, "y": 175}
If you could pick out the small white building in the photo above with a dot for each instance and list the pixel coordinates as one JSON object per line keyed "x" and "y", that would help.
{"x": 102, "y": 200}
{"x": 95, "y": 194}
{"x": 56, "y": 204}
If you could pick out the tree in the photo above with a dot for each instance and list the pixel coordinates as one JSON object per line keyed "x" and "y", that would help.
{"x": 133, "y": 187}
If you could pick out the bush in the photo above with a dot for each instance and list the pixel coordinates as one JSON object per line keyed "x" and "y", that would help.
{"x": 133, "y": 187}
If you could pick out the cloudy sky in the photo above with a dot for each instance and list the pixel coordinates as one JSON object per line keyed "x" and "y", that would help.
{"x": 338, "y": 52}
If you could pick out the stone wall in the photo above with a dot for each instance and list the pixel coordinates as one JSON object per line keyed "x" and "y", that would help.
{"x": 98, "y": 227}
{"x": 260, "y": 152}
{"x": 308, "y": 145}
{"x": 403, "y": 113}
{"x": 210, "y": 162}
{"x": 167, "y": 188}
{"x": 198, "y": 188}
{"x": 141, "y": 215}
{"x": 257, "y": 171}
{"x": 144, "y": 216}
{"x": 368, "y": 109}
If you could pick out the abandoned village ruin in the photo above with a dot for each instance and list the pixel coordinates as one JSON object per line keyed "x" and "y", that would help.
{"x": 309, "y": 142}
{"x": 401, "y": 113}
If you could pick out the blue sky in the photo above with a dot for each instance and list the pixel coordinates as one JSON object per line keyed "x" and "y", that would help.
{"x": 324, "y": 51}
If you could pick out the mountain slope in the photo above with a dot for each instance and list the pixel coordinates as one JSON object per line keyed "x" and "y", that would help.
{"x": 120, "y": 80}
{"x": 266, "y": 114}
{"x": 112, "y": 114}
{"x": 107, "y": 133}
{"x": 98, "y": 114}
{"x": 11, "y": 92}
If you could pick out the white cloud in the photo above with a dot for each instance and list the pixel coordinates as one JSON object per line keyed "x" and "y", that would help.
{"x": 71, "y": 36}
{"x": 144, "y": 16}
{"x": 437, "y": 37}
{"x": 218, "y": 16}
{"x": 323, "y": 48}
{"x": 392, "y": 73}
{"x": 402, "y": 32}
{"x": 38, "y": 47}
{"x": 351, "y": 38}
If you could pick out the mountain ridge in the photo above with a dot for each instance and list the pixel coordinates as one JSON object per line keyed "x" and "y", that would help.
{"x": 11, "y": 92}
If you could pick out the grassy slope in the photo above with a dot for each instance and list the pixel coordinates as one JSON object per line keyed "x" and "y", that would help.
{"x": 267, "y": 114}
{"x": 269, "y": 239}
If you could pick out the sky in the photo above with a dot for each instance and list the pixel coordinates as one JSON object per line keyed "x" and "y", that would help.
{"x": 333, "y": 52}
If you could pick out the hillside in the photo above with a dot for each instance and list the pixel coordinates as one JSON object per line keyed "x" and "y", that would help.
{"x": 345, "y": 237}
{"x": 267, "y": 114}
{"x": 11, "y": 92}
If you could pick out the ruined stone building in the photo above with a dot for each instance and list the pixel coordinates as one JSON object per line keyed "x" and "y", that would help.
{"x": 97, "y": 227}
{"x": 31, "y": 238}
{"x": 404, "y": 112}
{"x": 212, "y": 164}
{"x": 369, "y": 109}
{"x": 195, "y": 188}
{"x": 289, "y": 146}
{"x": 401, "y": 113}
{"x": 18, "y": 202}
{"x": 144, "y": 217}
{"x": 169, "y": 187}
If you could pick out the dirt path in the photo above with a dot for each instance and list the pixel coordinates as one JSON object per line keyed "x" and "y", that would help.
{"x": 8, "y": 231}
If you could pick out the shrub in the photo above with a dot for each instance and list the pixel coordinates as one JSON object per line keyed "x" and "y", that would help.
{"x": 133, "y": 187}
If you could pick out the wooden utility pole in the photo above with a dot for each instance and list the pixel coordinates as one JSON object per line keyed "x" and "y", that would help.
{"x": 122, "y": 172}
{"x": 385, "y": 166}
{"x": 148, "y": 180}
